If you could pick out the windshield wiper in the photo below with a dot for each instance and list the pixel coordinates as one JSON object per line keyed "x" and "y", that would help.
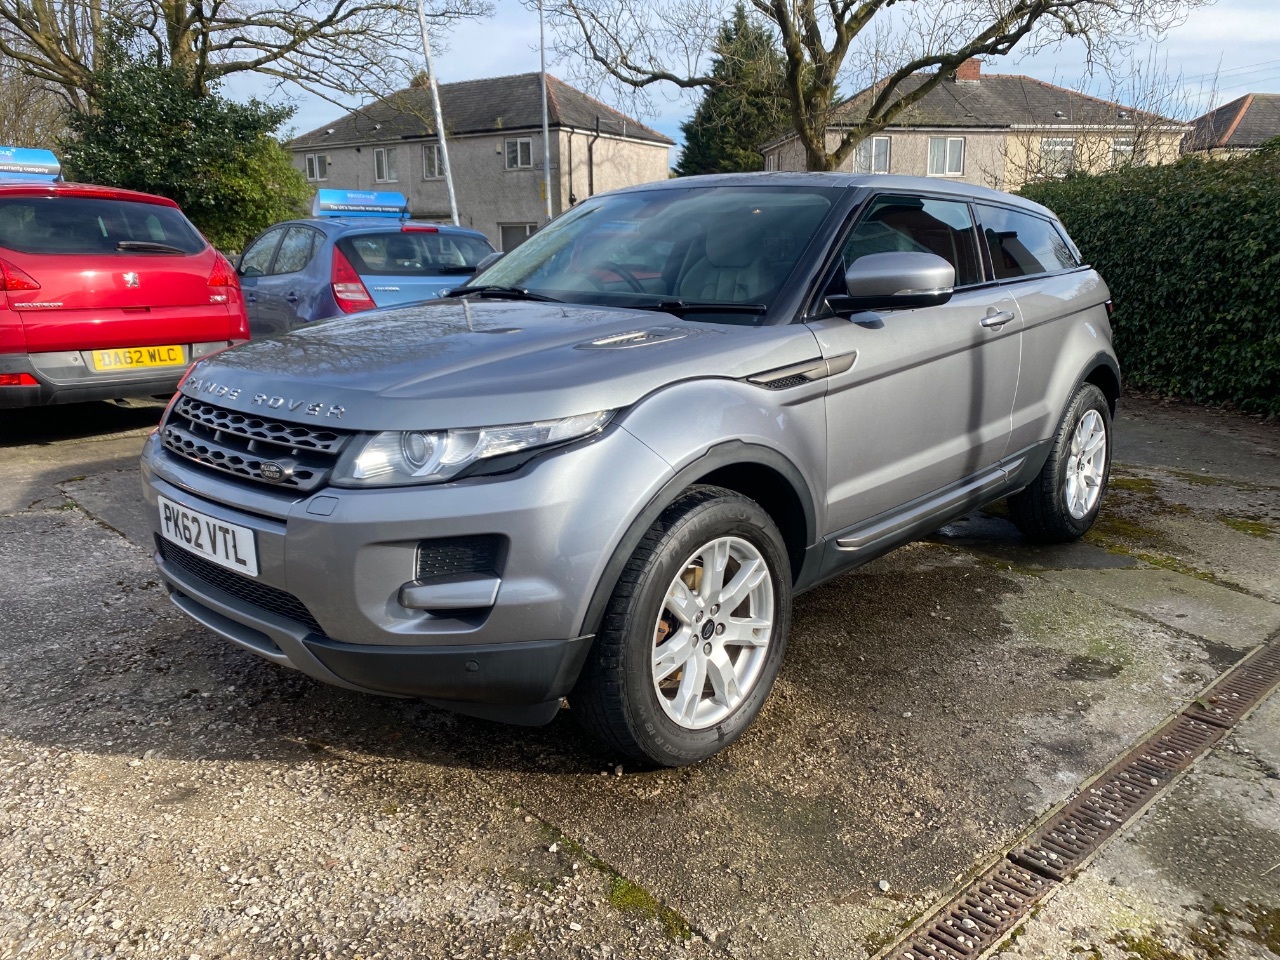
{"x": 507, "y": 293}
{"x": 681, "y": 307}
{"x": 148, "y": 246}
{"x": 454, "y": 268}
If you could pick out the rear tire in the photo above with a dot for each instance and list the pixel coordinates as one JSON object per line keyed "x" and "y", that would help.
{"x": 694, "y": 634}
{"x": 1063, "y": 501}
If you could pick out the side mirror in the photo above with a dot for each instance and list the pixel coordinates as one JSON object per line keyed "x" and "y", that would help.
{"x": 488, "y": 261}
{"x": 896, "y": 281}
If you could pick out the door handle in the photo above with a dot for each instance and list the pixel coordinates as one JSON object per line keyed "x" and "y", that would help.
{"x": 292, "y": 298}
{"x": 250, "y": 298}
{"x": 996, "y": 320}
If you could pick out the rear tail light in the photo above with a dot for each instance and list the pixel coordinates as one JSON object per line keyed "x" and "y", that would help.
{"x": 348, "y": 288}
{"x": 419, "y": 228}
{"x": 18, "y": 380}
{"x": 13, "y": 280}
{"x": 223, "y": 280}
{"x": 1111, "y": 309}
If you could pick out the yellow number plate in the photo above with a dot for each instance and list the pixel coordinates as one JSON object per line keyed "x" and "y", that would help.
{"x": 124, "y": 359}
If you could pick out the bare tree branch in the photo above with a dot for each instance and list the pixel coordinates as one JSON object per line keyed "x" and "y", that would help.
{"x": 331, "y": 47}
{"x": 635, "y": 48}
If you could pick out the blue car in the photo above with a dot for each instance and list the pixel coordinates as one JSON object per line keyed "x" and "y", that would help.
{"x": 357, "y": 252}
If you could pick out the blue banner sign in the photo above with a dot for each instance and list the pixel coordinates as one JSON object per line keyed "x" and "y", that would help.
{"x": 359, "y": 203}
{"x": 24, "y": 163}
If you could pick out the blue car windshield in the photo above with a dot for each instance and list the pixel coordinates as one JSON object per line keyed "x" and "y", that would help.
{"x": 714, "y": 245}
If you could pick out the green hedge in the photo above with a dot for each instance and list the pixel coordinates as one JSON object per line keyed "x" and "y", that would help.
{"x": 1191, "y": 252}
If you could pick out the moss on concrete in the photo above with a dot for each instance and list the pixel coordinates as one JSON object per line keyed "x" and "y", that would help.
{"x": 1146, "y": 947}
{"x": 632, "y": 898}
{"x": 626, "y": 895}
{"x": 1250, "y": 525}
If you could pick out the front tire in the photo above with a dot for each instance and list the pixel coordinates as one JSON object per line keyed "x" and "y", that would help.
{"x": 694, "y": 634}
{"x": 1062, "y": 503}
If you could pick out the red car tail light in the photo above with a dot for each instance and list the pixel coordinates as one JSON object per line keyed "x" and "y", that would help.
{"x": 18, "y": 380}
{"x": 222, "y": 280}
{"x": 348, "y": 289}
{"x": 14, "y": 280}
{"x": 419, "y": 228}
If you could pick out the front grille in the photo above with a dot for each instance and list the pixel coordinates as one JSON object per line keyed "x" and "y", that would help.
{"x": 251, "y": 427}
{"x": 302, "y": 456}
{"x": 279, "y": 602}
{"x": 452, "y": 555}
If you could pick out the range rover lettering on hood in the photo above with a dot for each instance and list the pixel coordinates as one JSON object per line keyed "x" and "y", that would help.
{"x": 311, "y": 408}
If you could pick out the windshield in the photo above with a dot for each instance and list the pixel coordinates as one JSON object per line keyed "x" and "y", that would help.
{"x": 699, "y": 245}
{"x": 83, "y": 225}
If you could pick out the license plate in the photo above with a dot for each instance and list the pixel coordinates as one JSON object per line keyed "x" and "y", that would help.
{"x": 226, "y": 544}
{"x": 128, "y": 357}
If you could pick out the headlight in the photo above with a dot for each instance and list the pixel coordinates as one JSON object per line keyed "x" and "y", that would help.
{"x": 420, "y": 456}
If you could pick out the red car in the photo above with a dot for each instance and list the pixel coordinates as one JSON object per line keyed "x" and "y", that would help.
{"x": 105, "y": 293}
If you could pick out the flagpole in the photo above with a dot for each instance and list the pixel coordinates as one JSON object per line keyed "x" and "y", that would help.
{"x": 435, "y": 106}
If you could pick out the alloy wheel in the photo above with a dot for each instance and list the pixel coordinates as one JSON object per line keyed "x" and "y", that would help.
{"x": 711, "y": 641}
{"x": 1087, "y": 464}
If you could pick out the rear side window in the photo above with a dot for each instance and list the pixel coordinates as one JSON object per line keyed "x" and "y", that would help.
{"x": 413, "y": 254}
{"x": 295, "y": 251}
{"x": 942, "y": 227}
{"x": 1023, "y": 245}
{"x": 257, "y": 258}
{"x": 85, "y": 225}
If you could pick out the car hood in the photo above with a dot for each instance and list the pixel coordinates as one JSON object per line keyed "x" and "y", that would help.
{"x": 466, "y": 363}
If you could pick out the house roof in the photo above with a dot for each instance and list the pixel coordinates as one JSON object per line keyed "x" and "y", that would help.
{"x": 998, "y": 101}
{"x": 1244, "y": 123}
{"x": 476, "y": 106}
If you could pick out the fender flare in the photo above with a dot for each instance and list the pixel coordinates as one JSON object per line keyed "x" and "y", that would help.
{"x": 725, "y": 454}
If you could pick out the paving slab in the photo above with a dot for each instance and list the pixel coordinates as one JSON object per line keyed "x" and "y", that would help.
{"x": 1197, "y": 878}
{"x": 1215, "y": 613}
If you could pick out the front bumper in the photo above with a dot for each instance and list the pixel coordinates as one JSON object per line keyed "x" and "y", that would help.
{"x": 348, "y": 558}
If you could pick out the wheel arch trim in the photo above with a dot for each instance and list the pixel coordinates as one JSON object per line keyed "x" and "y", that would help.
{"x": 722, "y": 456}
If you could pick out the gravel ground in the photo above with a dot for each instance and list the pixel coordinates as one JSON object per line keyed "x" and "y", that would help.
{"x": 165, "y": 794}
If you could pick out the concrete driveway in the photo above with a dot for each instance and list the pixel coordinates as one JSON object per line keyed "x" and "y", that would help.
{"x": 165, "y": 794}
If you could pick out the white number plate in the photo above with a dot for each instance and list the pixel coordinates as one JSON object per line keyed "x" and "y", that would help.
{"x": 226, "y": 544}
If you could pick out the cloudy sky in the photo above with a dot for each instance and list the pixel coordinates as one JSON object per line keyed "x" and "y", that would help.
{"x": 1221, "y": 52}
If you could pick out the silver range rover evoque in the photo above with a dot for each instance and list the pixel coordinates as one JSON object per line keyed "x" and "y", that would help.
{"x": 603, "y": 468}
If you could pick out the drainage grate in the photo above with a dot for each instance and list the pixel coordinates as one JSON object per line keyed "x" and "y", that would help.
{"x": 1068, "y": 839}
{"x": 1231, "y": 697}
{"x": 990, "y": 906}
{"x": 986, "y": 911}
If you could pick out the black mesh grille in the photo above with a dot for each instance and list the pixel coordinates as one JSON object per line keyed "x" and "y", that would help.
{"x": 297, "y": 456}
{"x": 450, "y": 555}
{"x": 291, "y": 435}
{"x": 260, "y": 595}
{"x": 787, "y": 382}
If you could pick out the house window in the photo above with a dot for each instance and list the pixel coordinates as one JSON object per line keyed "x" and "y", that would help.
{"x": 872, "y": 156}
{"x": 1057, "y": 156}
{"x": 432, "y": 162}
{"x": 519, "y": 153}
{"x": 1121, "y": 151}
{"x": 946, "y": 156}
{"x": 770, "y": 162}
{"x": 384, "y": 165}
{"x": 514, "y": 234}
{"x": 317, "y": 166}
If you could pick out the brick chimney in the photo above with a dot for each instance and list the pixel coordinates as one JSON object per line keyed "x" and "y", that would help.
{"x": 971, "y": 69}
